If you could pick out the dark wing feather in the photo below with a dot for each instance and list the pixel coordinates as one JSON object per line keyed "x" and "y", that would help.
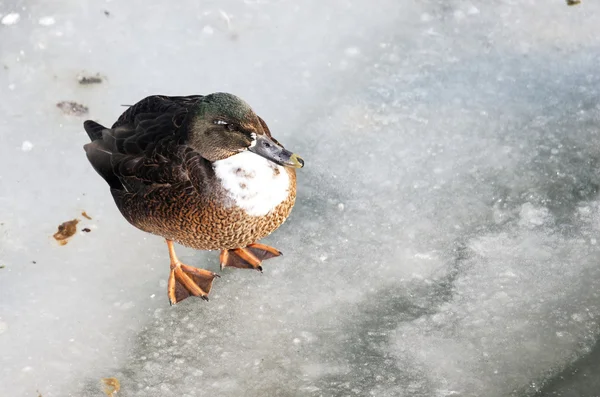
{"x": 155, "y": 104}
{"x": 146, "y": 147}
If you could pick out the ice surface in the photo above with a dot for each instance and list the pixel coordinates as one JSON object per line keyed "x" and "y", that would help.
{"x": 445, "y": 236}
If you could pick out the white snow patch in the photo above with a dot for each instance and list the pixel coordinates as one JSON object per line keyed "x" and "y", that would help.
{"x": 26, "y": 146}
{"x": 473, "y": 10}
{"x": 208, "y": 30}
{"x": 352, "y": 51}
{"x": 532, "y": 216}
{"x": 11, "y": 19}
{"x": 47, "y": 21}
{"x": 254, "y": 183}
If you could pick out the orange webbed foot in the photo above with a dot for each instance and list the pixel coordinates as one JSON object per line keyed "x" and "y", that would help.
{"x": 185, "y": 281}
{"x": 250, "y": 257}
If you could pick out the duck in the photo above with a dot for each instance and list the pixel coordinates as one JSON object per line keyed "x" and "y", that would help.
{"x": 202, "y": 171}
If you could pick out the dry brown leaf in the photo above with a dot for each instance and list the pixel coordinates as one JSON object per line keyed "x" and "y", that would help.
{"x": 111, "y": 386}
{"x": 66, "y": 230}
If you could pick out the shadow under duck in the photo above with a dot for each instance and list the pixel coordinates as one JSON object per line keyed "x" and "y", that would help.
{"x": 201, "y": 171}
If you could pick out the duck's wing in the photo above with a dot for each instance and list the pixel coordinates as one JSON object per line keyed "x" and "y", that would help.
{"x": 146, "y": 148}
{"x": 156, "y": 104}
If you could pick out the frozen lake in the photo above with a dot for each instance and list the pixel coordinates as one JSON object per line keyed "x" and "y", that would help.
{"x": 445, "y": 239}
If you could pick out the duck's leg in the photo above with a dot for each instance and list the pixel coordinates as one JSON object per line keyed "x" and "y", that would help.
{"x": 186, "y": 280}
{"x": 250, "y": 257}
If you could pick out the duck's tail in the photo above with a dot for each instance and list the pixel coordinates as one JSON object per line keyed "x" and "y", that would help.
{"x": 99, "y": 154}
{"x": 93, "y": 129}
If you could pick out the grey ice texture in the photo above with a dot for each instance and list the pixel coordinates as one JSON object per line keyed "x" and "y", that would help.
{"x": 445, "y": 240}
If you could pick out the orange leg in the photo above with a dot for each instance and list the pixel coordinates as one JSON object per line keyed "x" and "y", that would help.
{"x": 250, "y": 257}
{"x": 224, "y": 258}
{"x": 186, "y": 280}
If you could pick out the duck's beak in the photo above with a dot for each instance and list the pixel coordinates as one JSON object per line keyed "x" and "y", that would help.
{"x": 267, "y": 148}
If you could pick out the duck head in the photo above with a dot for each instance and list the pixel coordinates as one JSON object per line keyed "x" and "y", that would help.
{"x": 223, "y": 125}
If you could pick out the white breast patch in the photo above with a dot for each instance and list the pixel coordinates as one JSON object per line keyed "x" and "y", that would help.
{"x": 254, "y": 183}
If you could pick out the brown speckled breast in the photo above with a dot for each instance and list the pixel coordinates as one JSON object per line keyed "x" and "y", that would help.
{"x": 201, "y": 221}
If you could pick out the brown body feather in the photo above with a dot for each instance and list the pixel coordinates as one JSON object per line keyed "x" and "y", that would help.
{"x": 201, "y": 221}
